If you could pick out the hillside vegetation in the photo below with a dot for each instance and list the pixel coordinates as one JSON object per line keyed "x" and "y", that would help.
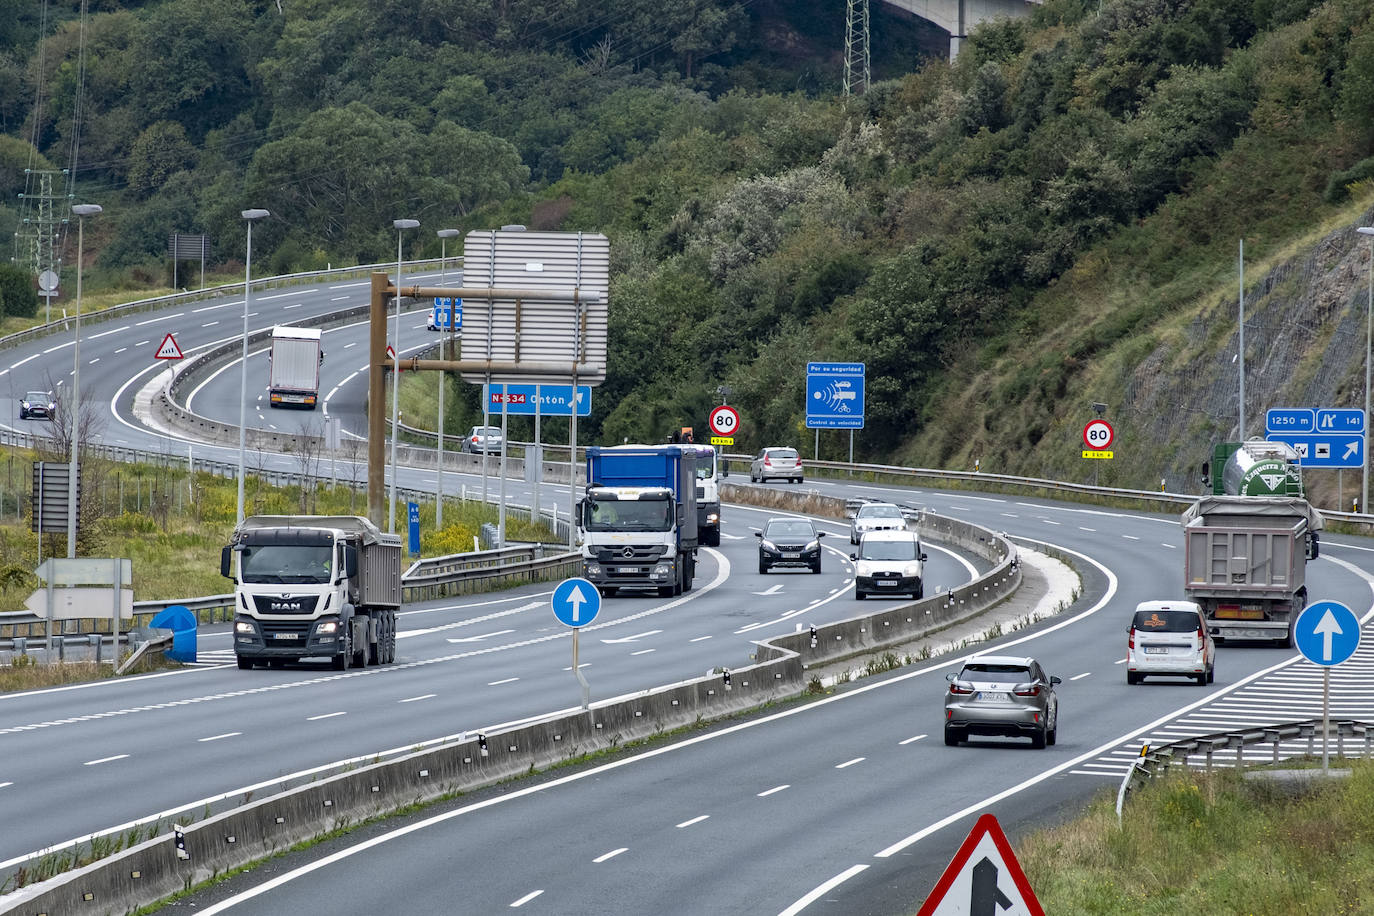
{"x": 1050, "y": 221}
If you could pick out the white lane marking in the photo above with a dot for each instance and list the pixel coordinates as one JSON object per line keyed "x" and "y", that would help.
{"x": 509, "y": 680}
{"x": 211, "y": 308}
{"x": 771, "y": 591}
{"x": 3, "y": 784}
{"x": 625, "y": 639}
{"x": 427, "y": 696}
{"x": 139, "y": 324}
{"x": 217, "y": 737}
{"x": 341, "y": 299}
{"x": 699, "y": 639}
{"x": 284, "y": 295}
{"x": 850, "y": 763}
{"x": 525, "y": 899}
{"x": 107, "y": 333}
{"x": 696, "y": 820}
{"x": 767, "y": 792}
{"x": 328, "y": 715}
{"x": 210, "y": 324}
{"x": 1130, "y": 537}
{"x": 643, "y": 652}
{"x": 120, "y": 350}
{"x": 579, "y": 667}
{"x": 91, "y": 763}
{"x": 610, "y": 855}
{"x": 824, "y": 889}
{"x": 478, "y": 638}
{"x": 1079, "y": 677}
{"x": 911, "y": 739}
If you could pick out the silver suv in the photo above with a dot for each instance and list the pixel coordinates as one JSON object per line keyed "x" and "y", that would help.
{"x": 483, "y": 439}
{"x": 876, "y": 517}
{"x": 1002, "y": 695}
{"x": 776, "y": 463}
{"x": 1170, "y": 637}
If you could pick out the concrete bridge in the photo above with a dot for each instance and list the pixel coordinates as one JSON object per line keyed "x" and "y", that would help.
{"x": 958, "y": 16}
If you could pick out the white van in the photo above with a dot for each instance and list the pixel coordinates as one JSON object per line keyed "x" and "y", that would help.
{"x": 889, "y": 562}
{"x": 1170, "y": 638}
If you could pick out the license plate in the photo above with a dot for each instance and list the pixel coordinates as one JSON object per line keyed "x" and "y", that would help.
{"x": 286, "y": 636}
{"x": 888, "y": 582}
{"x": 1156, "y": 650}
{"x": 791, "y": 555}
{"x": 992, "y": 696}
{"x": 629, "y": 570}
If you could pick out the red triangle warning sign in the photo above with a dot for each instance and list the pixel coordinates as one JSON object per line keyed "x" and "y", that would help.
{"x": 169, "y": 348}
{"x": 983, "y": 879}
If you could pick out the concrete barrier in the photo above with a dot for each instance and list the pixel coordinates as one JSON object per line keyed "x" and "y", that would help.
{"x": 778, "y": 669}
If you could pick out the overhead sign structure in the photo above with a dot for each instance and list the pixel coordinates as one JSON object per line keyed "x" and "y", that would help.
{"x": 548, "y": 400}
{"x": 983, "y": 879}
{"x": 576, "y": 602}
{"x": 835, "y": 395}
{"x": 723, "y": 421}
{"x": 1325, "y": 450}
{"x": 537, "y": 340}
{"x": 169, "y": 349}
{"x": 1327, "y": 632}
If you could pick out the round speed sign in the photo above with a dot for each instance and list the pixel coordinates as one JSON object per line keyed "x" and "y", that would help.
{"x": 724, "y": 421}
{"x": 1098, "y": 435}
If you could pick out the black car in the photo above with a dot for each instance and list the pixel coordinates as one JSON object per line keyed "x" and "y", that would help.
{"x": 789, "y": 542}
{"x": 37, "y": 405}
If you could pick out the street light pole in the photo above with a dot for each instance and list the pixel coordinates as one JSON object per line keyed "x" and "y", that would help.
{"x": 82, "y": 211}
{"x": 249, "y": 216}
{"x": 1368, "y": 331}
{"x": 401, "y": 225}
{"x": 444, "y": 236}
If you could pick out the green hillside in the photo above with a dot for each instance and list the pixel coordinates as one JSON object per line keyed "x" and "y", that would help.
{"x": 1051, "y": 221}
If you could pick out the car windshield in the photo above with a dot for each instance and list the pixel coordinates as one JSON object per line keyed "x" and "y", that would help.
{"x": 887, "y": 550}
{"x": 880, "y": 512}
{"x": 977, "y": 671}
{"x": 285, "y": 563}
{"x": 1167, "y": 621}
{"x": 40, "y": 396}
{"x": 788, "y": 530}
{"x": 630, "y": 515}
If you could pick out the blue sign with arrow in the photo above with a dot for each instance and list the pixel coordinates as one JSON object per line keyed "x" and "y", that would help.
{"x": 576, "y": 602}
{"x": 1327, "y": 632}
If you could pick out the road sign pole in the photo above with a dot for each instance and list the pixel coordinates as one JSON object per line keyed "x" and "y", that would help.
{"x": 1326, "y": 718}
{"x": 577, "y": 670}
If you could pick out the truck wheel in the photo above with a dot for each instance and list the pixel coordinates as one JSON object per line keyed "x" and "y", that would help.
{"x": 341, "y": 661}
{"x": 390, "y": 636}
{"x": 245, "y": 664}
{"x": 713, "y": 537}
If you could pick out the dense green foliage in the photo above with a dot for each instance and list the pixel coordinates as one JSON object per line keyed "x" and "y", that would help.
{"x": 959, "y": 227}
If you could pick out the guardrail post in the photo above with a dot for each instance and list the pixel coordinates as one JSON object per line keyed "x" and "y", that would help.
{"x": 1273, "y": 735}
{"x": 1309, "y": 732}
{"x": 61, "y": 644}
{"x": 96, "y": 643}
{"x": 21, "y": 646}
{"x": 1238, "y": 742}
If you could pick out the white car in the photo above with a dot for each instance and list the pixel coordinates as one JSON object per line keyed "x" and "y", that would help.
{"x": 483, "y": 439}
{"x": 891, "y": 563}
{"x": 876, "y": 517}
{"x": 1170, "y": 638}
{"x": 776, "y": 463}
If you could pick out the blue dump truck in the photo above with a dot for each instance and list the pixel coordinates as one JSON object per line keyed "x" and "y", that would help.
{"x": 638, "y": 519}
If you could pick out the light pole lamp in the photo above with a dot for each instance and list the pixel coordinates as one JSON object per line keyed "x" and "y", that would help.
{"x": 1368, "y": 328}
{"x": 444, "y": 236}
{"x": 401, "y": 226}
{"x": 82, "y": 211}
{"x": 249, "y": 216}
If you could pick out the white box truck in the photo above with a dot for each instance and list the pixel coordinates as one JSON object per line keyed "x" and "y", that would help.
{"x": 294, "y": 377}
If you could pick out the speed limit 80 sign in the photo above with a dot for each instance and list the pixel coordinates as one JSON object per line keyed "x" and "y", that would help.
{"x": 1098, "y": 435}
{"x": 724, "y": 421}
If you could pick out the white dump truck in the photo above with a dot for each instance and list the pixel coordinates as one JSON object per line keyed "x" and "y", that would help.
{"x": 313, "y": 586}
{"x": 294, "y": 376}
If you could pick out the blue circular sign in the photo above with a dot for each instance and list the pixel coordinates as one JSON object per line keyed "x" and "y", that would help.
{"x": 1327, "y": 632}
{"x": 576, "y": 602}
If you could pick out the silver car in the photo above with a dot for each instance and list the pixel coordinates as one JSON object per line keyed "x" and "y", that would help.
{"x": 483, "y": 439}
{"x": 1002, "y": 695}
{"x": 777, "y": 463}
{"x": 876, "y": 517}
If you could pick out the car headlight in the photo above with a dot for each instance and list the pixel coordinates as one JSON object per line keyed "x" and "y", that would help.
{"x": 768, "y": 545}
{"x": 864, "y": 569}
{"x": 813, "y": 545}
{"x": 593, "y": 569}
{"x": 911, "y": 569}
{"x": 24, "y": 404}
{"x": 327, "y": 626}
{"x": 661, "y": 571}
{"x": 243, "y": 626}
{"x": 712, "y": 518}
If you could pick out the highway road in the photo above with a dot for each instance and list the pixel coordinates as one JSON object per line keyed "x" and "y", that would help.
{"x": 759, "y": 816}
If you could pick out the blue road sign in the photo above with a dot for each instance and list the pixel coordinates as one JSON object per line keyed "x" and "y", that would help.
{"x": 576, "y": 602}
{"x": 414, "y": 514}
{"x": 1290, "y": 420}
{"x": 448, "y": 313}
{"x": 834, "y": 395}
{"x": 1327, "y": 632}
{"x": 1340, "y": 420}
{"x": 552, "y": 400}
{"x": 1325, "y": 450}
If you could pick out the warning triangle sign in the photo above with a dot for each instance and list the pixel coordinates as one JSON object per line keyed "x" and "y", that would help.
{"x": 983, "y": 879}
{"x": 169, "y": 348}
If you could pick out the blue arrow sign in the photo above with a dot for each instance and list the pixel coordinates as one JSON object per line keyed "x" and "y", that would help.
{"x": 1340, "y": 420}
{"x": 1290, "y": 420}
{"x": 1327, "y": 632}
{"x": 576, "y": 602}
{"x": 1325, "y": 450}
{"x": 551, "y": 400}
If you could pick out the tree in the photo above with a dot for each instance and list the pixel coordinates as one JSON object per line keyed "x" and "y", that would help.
{"x": 159, "y": 152}
{"x": 18, "y": 295}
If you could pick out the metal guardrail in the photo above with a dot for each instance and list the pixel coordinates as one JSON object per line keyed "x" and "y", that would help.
{"x": 1157, "y": 761}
